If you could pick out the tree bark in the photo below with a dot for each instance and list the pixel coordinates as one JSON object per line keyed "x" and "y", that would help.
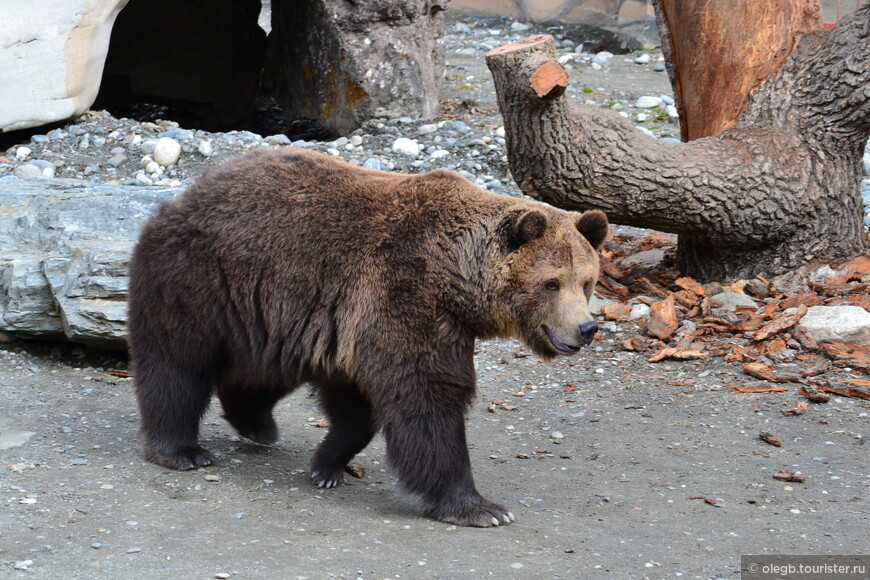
{"x": 715, "y": 60}
{"x": 778, "y": 189}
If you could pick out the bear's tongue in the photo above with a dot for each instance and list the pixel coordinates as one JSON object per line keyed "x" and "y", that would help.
{"x": 559, "y": 344}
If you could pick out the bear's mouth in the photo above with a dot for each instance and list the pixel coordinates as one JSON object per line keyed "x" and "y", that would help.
{"x": 559, "y": 345}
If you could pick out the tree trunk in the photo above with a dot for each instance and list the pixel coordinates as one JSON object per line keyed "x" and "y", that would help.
{"x": 715, "y": 63}
{"x": 778, "y": 189}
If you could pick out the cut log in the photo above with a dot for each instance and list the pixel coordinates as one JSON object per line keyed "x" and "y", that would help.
{"x": 778, "y": 189}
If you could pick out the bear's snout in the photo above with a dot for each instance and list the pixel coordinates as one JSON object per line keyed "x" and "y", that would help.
{"x": 587, "y": 332}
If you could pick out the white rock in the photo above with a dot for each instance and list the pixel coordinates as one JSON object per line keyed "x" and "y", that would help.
{"x": 639, "y": 311}
{"x": 406, "y": 146}
{"x": 22, "y": 152}
{"x": 641, "y": 117}
{"x": 439, "y": 153}
{"x": 843, "y": 323}
{"x": 152, "y": 167}
{"x": 166, "y": 151}
{"x": 205, "y": 148}
{"x": 519, "y": 26}
{"x": 427, "y": 129}
{"x": 671, "y": 111}
{"x": 643, "y": 59}
{"x": 28, "y": 171}
{"x": 52, "y": 58}
{"x": 356, "y": 140}
{"x": 647, "y": 102}
{"x": 499, "y": 132}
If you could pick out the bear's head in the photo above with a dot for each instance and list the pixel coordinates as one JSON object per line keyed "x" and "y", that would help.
{"x": 549, "y": 272}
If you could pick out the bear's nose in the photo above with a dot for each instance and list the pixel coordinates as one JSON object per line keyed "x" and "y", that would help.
{"x": 587, "y": 331}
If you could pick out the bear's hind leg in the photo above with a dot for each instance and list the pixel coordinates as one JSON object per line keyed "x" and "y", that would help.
{"x": 172, "y": 403}
{"x": 249, "y": 410}
{"x": 429, "y": 451}
{"x": 350, "y": 429}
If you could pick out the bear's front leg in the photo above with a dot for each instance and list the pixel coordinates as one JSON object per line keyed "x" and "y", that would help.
{"x": 429, "y": 451}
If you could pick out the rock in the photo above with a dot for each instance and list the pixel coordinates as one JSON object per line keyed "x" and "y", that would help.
{"x": 205, "y": 148}
{"x": 645, "y": 58}
{"x": 729, "y": 301}
{"x": 639, "y": 311}
{"x": 843, "y": 323}
{"x": 166, "y": 151}
{"x": 406, "y": 146}
{"x": 116, "y": 160}
{"x": 647, "y": 102}
{"x": 596, "y": 303}
{"x": 28, "y": 171}
{"x": 52, "y": 59}
{"x": 648, "y": 259}
{"x": 22, "y": 152}
{"x": 392, "y": 60}
{"x": 64, "y": 252}
{"x": 659, "y": 67}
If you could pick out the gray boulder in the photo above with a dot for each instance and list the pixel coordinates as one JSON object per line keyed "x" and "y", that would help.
{"x": 64, "y": 254}
{"x": 844, "y": 323}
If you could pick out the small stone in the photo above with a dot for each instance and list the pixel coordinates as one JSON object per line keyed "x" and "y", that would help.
{"x": 96, "y": 545}
{"x": 645, "y": 58}
{"x": 439, "y": 153}
{"x": 356, "y": 140}
{"x": 205, "y": 148}
{"x": 166, "y": 151}
{"x": 729, "y": 301}
{"x": 427, "y": 129}
{"x": 671, "y": 111}
{"x": 152, "y": 167}
{"x": 278, "y": 139}
{"x": 212, "y": 477}
{"x": 519, "y": 26}
{"x": 28, "y": 171}
{"x": 134, "y": 550}
{"x": 222, "y": 575}
{"x": 117, "y": 160}
{"x": 23, "y": 564}
{"x": 647, "y": 102}
{"x": 22, "y": 153}
{"x": 406, "y": 146}
{"x": 372, "y": 163}
{"x": 638, "y": 312}
{"x": 659, "y": 67}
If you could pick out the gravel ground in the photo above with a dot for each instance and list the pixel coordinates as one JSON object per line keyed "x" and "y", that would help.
{"x": 614, "y": 467}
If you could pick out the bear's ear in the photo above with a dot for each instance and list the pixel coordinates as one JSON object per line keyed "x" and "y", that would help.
{"x": 594, "y": 227}
{"x": 528, "y": 226}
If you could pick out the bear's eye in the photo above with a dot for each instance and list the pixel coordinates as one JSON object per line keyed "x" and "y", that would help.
{"x": 552, "y": 286}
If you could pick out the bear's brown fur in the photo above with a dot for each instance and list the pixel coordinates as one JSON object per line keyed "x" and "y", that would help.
{"x": 284, "y": 267}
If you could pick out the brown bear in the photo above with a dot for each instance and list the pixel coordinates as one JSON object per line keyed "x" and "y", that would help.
{"x": 285, "y": 267}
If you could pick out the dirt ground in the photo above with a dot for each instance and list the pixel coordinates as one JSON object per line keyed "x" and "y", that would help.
{"x": 613, "y": 466}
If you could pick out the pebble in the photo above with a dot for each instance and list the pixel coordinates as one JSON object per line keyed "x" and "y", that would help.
{"x": 205, "y": 148}
{"x": 166, "y": 151}
{"x": 645, "y": 58}
{"x": 406, "y": 146}
{"x": 22, "y": 152}
{"x": 647, "y": 102}
{"x": 117, "y": 160}
{"x": 212, "y": 477}
{"x": 23, "y": 564}
{"x": 28, "y": 171}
